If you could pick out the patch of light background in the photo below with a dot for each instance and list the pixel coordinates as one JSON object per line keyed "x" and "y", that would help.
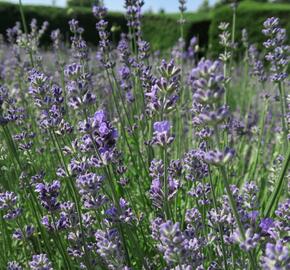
{"x": 117, "y": 5}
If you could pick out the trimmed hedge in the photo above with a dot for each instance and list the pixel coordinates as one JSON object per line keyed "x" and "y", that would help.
{"x": 162, "y": 31}
{"x": 58, "y": 18}
{"x": 250, "y": 16}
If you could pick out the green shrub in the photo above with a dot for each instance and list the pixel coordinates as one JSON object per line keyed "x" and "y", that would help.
{"x": 250, "y": 16}
{"x": 161, "y": 30}
{"x": 81, "y": 3}
{"x": 58, "y": 18}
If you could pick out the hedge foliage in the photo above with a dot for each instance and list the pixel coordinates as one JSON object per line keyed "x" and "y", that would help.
{"x": 58, "y": 18}
{"x": 162, "y": 31}
{"x": 250, "y": 16}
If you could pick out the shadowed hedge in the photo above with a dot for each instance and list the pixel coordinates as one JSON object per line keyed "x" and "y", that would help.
{"x": 162, "y": 31}
{"x": 250, "y": 15}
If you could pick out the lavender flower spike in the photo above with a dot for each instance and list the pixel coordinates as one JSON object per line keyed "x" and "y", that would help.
{"x": 40, "y": 262}
{"x": 161, "y": 135}
{"x": 277, "y": 257}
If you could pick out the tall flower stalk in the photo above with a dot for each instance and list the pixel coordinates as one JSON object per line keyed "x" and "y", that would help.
{"x": 124, "y": 158}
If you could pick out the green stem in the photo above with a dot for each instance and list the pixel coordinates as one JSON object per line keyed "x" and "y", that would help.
{"x": 233, "y": 203}
{"x": 61, "y": 247}
{"x": 142, "y": 194}
{"x": 25, "y": 29}
{"x": 33, "y": 202}
{"x": 74, "y": 195}
{"x": 219, "y": 226}
{"x": 236, "y": 214}
{"x": 165, "y": 183}
{"x": 233, "y": 36}
{"x": 283, "y": 106}
{"x": 263, "y": 121}
{"x": 276, "y": 194}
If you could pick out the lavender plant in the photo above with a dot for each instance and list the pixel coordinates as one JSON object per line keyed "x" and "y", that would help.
{"x": 119, "y": 158}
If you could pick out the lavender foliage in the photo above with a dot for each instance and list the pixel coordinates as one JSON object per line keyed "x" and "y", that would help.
{"x": 162, "y": 160}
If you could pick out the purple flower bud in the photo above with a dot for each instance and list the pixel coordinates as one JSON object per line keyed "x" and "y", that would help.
{"x": 109, "y": 247}
{"x": 250, "y": 242}
{"x": 8, "y": 203}
{"x": 276, "y": 256}
{"x": 48, "y": 194}
{"x": 99, "y": 11}
{"x": 89, "y": 183}
{"x": 162, "y": 127}
{"x": 266, "y": 224}
{"x": 72, "y": 70}
{"x": 14, "y": 266}
{"x": 277, "y": 51}
{"x": 40, "y": 262}
{"x": 218, "y": 158}
{"x": 73, "y": 24}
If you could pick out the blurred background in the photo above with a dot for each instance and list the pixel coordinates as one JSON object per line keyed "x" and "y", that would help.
{"x": 156, "y": 6}
{"x": 118, "y": 5}
{"x": 160, "y": 20}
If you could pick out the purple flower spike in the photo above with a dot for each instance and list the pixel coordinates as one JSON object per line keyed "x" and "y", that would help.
{"x": 250, "y": 242}
{"x": 218, "y": 158}
{"x": 89, "y": 186}
{"x": 40, "y": 262}
{"x": 161, "y": 134}
{"x": 8, "y": 203}
{"x": 162, "y": 127}
{"x": 99, "y": 11}
{"x": 14, "y": 266}
{"x": 277, "y": 50}
{"x": 48, "y": 194}
{"x": 277, "y": 256}
{"x": 266, "y": 224}
{"x": 109, "y": 247}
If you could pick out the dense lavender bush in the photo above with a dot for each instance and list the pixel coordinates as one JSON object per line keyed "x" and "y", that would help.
{"x": 116, "y": 158}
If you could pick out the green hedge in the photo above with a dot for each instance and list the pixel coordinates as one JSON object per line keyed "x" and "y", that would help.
{"x": 162, "y": 31}
{"x": 250, "y": 16}
{"x": 58, "y": 18}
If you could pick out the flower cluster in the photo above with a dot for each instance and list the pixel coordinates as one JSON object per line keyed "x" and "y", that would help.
{"x": 225, "y": 41}
{"x": 109, "y": 248}
{"x": 161, "y": 134}
{"x": 30, "y": 41}
{"x": 78, "y": 86}
{"x": 177, "y": 245}
{"x": 40, "y": 261}
{"x": 78, "y": 44}
{"x": 48, "y": 194}
{"x": 163, "y": 94}
{"x": 142, "y": 146}
{"x": 157, "y": 191}
{"x": 100, "y": 137}
{"x": 8, "y": 204}
{"x": 104, "y": 44}
{"x": 207, "y": 85}
{"x": 49, "y": 98}
{"x": 89, "y": 186}
{"x": 277, "y": 50}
